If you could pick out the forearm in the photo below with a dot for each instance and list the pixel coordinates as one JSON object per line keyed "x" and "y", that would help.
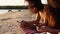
{"x": 37, "y": 20}
{"x": 30, "y": 23}
{"x": 54, "y": 30}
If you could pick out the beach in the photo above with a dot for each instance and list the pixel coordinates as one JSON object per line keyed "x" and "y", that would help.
{"x": 9, "y": 24}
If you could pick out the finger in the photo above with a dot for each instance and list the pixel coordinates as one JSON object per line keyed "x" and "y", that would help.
{"x": 22, "y": 21}
{"x": 43, "y": 27}
{"x": 18, "y": 21}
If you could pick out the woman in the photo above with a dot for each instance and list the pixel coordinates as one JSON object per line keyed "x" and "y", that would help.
{"x": 47, "y": 15}
{"x": 35, "y": 7}
{"x": 53, "y": 17}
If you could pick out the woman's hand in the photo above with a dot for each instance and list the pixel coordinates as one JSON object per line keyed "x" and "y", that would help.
{"x": 43, "y": 29}
{"x": 24, "y": 23}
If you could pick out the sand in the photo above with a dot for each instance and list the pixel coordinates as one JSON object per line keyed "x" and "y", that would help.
{"x": 9, "y": 24}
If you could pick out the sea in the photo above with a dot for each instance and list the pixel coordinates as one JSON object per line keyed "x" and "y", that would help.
{"x": 2, "y": 11}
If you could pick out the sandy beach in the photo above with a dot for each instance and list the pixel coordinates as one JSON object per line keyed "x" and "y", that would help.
{"x": 9, "y": 24}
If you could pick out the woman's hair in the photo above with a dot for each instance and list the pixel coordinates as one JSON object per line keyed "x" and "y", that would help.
{"x": 54, "y": 3}
{"x": 36, "y": 3}
{"x": 54, "y": 17}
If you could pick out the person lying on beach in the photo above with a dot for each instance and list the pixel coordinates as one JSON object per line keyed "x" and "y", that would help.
{"x": 46, "y": 16}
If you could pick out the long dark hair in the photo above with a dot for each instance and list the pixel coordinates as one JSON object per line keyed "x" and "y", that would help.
{"x": 36, "y": 3}
{"x": 54, "y": 13}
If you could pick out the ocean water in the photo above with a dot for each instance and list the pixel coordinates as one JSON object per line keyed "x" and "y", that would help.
{"x": 2, "y": 11}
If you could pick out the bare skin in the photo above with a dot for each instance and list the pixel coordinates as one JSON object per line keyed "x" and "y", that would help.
{"x": 46, "y": 29}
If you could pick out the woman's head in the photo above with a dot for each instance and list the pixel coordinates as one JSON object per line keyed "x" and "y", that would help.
{"x": 34, "y": 5}
{"x": 54, "y": 3}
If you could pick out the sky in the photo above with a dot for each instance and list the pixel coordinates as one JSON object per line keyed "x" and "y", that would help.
{"x": 11, "y": 2}
{"x": 14, "y": 3}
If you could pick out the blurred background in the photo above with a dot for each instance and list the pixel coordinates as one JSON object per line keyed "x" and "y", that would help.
{"x": 12, "y": 11}
{"x": 6, "y": 5}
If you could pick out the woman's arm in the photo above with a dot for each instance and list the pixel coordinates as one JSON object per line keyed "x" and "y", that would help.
{"x": 54, "y": 30}
{"x": 37, "y": 20}
{"x": 47, "y": 29}
{"x": 30, "y": 23}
